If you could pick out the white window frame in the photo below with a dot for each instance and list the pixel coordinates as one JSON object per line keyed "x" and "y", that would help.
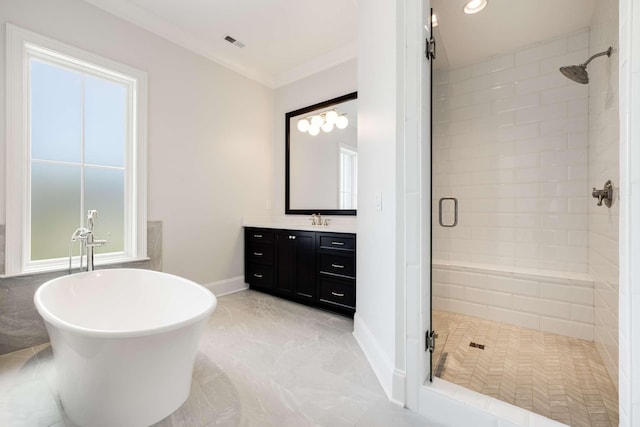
{"x": 353, "y": 154}
{"x": 22, "y": 45}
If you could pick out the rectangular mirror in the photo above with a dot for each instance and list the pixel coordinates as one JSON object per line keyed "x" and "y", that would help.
{"x": 321, "y": 173}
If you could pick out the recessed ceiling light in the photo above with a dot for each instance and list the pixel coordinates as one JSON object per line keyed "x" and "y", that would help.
{"x": 474, "y": 6}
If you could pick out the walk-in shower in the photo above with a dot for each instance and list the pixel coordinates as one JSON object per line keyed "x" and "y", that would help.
{"x": 524, "y": 262}
{"x": 578, "y": 73}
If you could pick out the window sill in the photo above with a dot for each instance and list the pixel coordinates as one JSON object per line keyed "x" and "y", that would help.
{"x": 74, "y": 267}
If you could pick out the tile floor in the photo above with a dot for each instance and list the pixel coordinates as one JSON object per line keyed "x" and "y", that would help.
{"x": 555, "y": 376}
{"x": 263, "y": 361}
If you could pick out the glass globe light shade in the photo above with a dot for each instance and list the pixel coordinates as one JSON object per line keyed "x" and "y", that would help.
{"x": 342, "y": 122}
{"x": 317, "y": 121}
{"x": 327, "y": 127}
{"x": 314, "y": 130}
{"x": 331, "y": 116}
{"x": 303, "y": 125}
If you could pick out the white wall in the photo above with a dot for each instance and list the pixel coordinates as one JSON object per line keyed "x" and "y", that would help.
{"x": 510, "y": 143}
{"x": 322, "y": 86}
{"x": 380, "y": 230}
{"x": 210, "y": 134}
{"x": 629, "y": 299}
{"x": 604, "y": 151}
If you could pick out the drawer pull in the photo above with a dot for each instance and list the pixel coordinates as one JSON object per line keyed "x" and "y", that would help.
{"x": 259, "y": 276}
{"x": 258, "y": 236}
{"x": 337, "y": 266}
{"x": 257, "y": 253}
{"x": 337, "y": 243}
{"x": 336, "y": 294}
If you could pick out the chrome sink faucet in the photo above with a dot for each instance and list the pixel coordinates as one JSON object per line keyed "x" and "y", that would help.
{"x": 316, "y": 219}
{"x": 87, "y": 240}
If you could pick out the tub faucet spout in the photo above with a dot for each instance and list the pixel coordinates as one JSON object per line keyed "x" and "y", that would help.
{"x": 87, "y": 241}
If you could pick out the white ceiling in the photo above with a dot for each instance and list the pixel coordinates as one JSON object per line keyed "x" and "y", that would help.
{"x": 285, "y": 39}
{"x": 290, "y": 39}
{"x": 504, "y": 25}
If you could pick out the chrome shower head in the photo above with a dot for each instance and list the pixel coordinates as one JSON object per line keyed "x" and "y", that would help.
{"x": 578, "y": 73}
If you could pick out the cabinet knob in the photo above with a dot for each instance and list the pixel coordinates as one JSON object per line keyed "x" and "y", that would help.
{"x": 292, "y": 237}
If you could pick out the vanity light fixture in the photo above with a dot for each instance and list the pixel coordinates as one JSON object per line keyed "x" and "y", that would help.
{"x": 342, "y": 121}
{"x": 303, "y": 125}
{"x": 326, "y": 121}
{"x": 474, "y": 6}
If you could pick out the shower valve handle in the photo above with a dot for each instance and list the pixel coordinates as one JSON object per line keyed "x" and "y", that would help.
{"x": 605, "y": 195}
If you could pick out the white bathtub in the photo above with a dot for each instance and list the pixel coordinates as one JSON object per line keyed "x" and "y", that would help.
{"x": 124, "y": 342}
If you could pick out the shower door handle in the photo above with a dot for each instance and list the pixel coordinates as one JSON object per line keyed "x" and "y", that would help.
{"x": 455, "y": 211}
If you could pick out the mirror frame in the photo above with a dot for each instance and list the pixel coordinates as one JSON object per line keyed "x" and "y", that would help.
{"x": 288, "y": 116}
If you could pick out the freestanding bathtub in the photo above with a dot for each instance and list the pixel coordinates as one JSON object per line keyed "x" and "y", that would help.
{"x": 124, "y": 342}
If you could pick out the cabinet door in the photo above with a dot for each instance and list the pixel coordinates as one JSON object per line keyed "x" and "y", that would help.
{"x": 296, "y": 273}
{"x": 306, "y": 266}
{"x": 286, "y": 263}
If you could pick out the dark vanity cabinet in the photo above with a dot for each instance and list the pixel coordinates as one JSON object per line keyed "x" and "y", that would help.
{"x": 313, "y": 267}
{"x": 337, "y": 272}
{"x": 296, "y": 264}
{"x": 259, "y": 268}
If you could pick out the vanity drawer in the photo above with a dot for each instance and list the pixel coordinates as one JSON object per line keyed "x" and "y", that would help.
{"x": 337, "y": 291}
{"x": 260, "y": 235}
{"x": 261, "y": 253}
{"x": 343, "y": 265}
{"x": 260, "y": 276}
{"x": 337, "y": 242}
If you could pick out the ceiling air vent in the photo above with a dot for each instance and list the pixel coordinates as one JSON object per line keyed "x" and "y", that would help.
{"x": 234, "y": 41}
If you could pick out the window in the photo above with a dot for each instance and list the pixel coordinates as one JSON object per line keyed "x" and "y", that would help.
{"x": 348, "y": 177}
{"x": 76, "y": 141}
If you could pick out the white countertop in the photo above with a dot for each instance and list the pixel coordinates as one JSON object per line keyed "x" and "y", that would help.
{"x": 302, "y": 223}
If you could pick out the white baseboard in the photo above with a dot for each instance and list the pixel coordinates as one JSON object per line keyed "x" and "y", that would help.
{"x": 380, "y": 363}
{"x": 227, "y": 286}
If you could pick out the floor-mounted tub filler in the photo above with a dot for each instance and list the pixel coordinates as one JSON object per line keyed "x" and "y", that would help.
{"x": 124, "y": 342}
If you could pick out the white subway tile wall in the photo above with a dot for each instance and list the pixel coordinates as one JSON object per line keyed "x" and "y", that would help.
{"x": 510, "y": 143}
{"x": 604, "y": 149}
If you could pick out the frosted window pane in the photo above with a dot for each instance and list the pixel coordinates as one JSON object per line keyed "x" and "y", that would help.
{"x": 55, "y": 209}
{"x": 104, "y": 192}
{"x": 105, "y": 122}
{"x": 56, "y": 96}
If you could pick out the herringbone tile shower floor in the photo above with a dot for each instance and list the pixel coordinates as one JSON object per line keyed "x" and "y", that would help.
{"x": 555, "y": 376}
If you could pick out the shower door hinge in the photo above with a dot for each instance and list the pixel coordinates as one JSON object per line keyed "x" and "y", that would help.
{"x": 430, "y": 341}
{"x": 430, "y": 48}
